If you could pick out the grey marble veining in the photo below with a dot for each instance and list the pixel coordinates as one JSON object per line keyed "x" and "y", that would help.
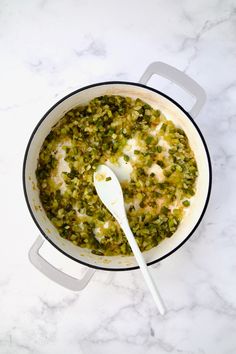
{"x": 49, "y": 48}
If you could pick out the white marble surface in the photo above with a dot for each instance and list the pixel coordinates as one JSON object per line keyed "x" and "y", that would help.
{"x": 49, "y": 48}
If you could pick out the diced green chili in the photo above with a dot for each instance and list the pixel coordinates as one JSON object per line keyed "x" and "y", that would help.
{"x": 96, "y": 133}
{"x": 126, "y": 158}
{"x": 149, "y": 139}
{"x": 186, "y": 203}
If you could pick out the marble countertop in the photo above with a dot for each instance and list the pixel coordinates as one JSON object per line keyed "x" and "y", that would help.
{"x": 49, "y": 48}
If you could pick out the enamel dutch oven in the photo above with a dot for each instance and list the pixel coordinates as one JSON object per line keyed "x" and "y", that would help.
{"x": 173, "y": 111}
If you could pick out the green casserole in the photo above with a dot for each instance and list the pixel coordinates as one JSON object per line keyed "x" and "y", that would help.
{"x": 116, "y": 130}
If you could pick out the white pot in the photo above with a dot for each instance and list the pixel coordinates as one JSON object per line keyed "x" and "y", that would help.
{"x": 171, "y": 110}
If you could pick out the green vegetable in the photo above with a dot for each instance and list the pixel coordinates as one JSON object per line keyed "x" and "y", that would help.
{"x": 126, "y": 158}
{"x": 186, "y": 203}
{"x": 149, "y": 139}
{"x": 99, "y": 132}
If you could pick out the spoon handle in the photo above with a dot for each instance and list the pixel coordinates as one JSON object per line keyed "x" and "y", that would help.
{"x": 143, "y": 266}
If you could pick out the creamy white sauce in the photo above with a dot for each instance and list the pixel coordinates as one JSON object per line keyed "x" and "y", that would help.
{"x": 158, "y": 172}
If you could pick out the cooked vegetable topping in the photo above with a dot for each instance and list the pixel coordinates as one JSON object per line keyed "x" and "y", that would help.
{"x": 116, "y": 129}
{"x": 186, "y": 203}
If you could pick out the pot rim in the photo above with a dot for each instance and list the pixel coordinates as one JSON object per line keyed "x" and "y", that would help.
{"x": 122, "y": 83}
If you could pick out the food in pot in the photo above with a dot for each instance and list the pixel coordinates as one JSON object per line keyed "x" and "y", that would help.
{"x": 119, "y": 131}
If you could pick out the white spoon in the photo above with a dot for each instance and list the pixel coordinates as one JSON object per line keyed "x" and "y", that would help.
{"x": 109, "y": 191}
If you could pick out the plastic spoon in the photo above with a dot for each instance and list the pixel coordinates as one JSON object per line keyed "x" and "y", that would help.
{"x": 109, "y": 191}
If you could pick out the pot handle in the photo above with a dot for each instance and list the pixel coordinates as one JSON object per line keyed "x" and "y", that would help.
{"x": 55, "y": 274}
{"x": 181, "y": 79}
